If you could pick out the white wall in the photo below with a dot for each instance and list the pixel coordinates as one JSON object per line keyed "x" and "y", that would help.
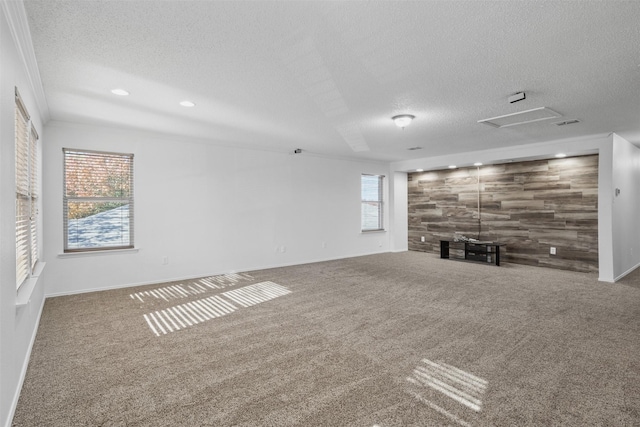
{"x": 605, "y": 212}
{"x": 399, "y": 216}
{"x": 17, "y": 324}
{"x": 626, "y": 206}
{"x": 209, "y": 209}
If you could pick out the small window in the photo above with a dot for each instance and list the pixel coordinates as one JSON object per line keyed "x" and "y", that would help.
{"x": 97, "y": 200}
{"x": 371, "y": 211}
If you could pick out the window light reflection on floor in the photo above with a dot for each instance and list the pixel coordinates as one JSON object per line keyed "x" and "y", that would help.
{"x": 192, "y": 287}
{"x": 178, "y": 317}
{"x": 255, "y": 294}
{"x": 449, "y": 381}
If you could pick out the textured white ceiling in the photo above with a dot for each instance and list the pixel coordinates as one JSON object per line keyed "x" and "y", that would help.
{"x": 326, "y": 76}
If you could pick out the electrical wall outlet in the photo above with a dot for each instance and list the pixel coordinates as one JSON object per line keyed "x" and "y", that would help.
{"x": 552, "y": 250}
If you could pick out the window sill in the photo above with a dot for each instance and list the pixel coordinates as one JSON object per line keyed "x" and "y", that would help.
{"x": 26, "y": 289}
{"x": 97, "y": 253}
{"x": 373, "y": 231}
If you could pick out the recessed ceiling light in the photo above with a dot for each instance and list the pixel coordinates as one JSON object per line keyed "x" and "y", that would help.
{"x": 477, "y": 164}
{"x": 120, "y": 92}
{"x": 187, "y": 104}
{"x": 419, "y": 170}
{"x": 452, "y": 166}
{"x": 561, "y": 155}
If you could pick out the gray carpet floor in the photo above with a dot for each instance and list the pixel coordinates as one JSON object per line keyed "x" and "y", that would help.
{"x": 402, "y": 339}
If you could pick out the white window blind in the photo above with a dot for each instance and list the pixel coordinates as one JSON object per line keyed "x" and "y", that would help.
{"x": 33, "y": 186}
{"x": 26, "y": 165}
{"x": 372, "y": 202}
{"x": 97, "y": 200}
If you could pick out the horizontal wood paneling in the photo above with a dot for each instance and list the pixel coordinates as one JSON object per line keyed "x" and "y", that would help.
{"x": 527, "y": 206}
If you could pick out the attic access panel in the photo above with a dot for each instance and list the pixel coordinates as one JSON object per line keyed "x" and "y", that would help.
{"x": 521, "y": 118}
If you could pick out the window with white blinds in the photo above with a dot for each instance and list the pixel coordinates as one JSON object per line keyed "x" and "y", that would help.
{"x": 372, "y": 202}
{"x": 97, "y": 200}
{"x": 26, "y": 164}
{"x": 33, "y": 186}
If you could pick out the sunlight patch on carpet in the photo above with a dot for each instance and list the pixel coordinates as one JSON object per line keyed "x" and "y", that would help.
{"x": 182, "y": 316}
{"x": 255, "y": 294}
{"x": 441, "y": 379}
{"x": 192, "y": 287}
{"x": 440, "y": 410}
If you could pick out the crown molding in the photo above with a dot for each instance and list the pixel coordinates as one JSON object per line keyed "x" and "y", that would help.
{"x": 16, "y": 16}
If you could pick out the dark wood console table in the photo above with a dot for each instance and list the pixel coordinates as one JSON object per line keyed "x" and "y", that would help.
{"x": 473, "y": 251}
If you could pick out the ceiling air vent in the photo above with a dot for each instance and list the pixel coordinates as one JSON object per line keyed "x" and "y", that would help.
{"x": 414, "y": 148}
{"x": 521, "y": 118}
{"x": 567, "y": 122}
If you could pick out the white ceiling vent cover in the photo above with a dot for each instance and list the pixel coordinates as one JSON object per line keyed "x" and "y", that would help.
{"x": 521, "y": 118}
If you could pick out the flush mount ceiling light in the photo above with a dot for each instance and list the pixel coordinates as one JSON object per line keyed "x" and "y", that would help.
{"x": 561, "y": 155}
{"x": 419, "y": 170}
{"x": 477, "y": 164}
{"x": 187, "y": 104}
{"x": 120, "y": 92}
{"x": 521, "y": 118}
{"x": 403, "y": 120}
{"x": 452, "y": 166}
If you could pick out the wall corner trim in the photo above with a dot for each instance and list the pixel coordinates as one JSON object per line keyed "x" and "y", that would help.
{"x": 18, "y": 22}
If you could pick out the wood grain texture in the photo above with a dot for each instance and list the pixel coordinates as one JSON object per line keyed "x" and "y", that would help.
{"x": 528, "y": 207}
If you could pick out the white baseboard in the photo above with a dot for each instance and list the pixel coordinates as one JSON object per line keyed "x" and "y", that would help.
{"x": 23, "y": 370}
{"x": 126, "y": 285}
{"x": 241, "y": 269}
{"x": 626, "y": 272}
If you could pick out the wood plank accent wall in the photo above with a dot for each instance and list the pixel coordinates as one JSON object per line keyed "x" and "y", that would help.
{"x": 526, "y": 206}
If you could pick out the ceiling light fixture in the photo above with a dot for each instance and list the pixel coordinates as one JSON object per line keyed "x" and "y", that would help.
{"x": 452, "y": 166}
{"x": 187, "y": 104}
{"x": 561, "y": 155}
{"x": 477, "y": 164}
{"x": 403, "y": 120}
{"x": 120, "y": 92}
{"x": 419, "y": 170}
